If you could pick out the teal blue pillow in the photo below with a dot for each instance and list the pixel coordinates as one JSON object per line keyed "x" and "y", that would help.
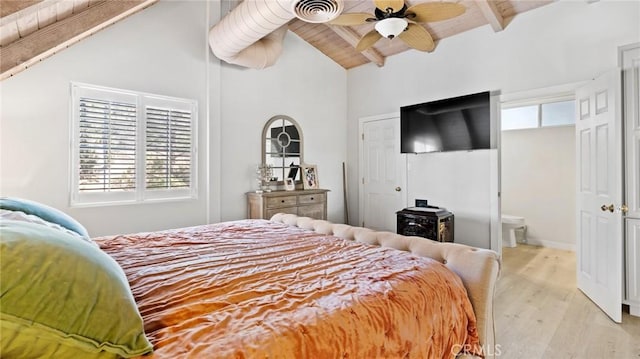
{"x": 45, "y": 212}
{"x": 66, "y": 293}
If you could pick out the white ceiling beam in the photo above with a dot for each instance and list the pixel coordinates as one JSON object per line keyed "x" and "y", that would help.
{"x": 492, "y": 14}
{"x": 353, "y": 38}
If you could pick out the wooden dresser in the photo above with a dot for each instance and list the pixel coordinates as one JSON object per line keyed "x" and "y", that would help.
{"x": 305, "y": 203}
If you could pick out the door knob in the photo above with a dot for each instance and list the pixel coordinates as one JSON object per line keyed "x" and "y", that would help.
{"x": 609, "y": 208}
{"x": 624, "y": 209}
{"x": 398, "y": 189}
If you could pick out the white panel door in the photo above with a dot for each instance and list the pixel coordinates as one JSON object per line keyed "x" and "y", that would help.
{"x": 384, "y": 174}
{"x": 599, "y": 182}
{"x": 633, "y": 265}
{"x": 630, "y": 61}
{"x": 631, "y": 80}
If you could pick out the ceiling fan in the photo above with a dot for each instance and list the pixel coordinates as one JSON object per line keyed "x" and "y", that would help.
{"x": 394, "y": 19}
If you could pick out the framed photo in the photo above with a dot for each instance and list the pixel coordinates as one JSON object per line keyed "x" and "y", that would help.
{"x": 309, "y": 176}
{"x": 293, "y": 171}
{"x": 289, "y": 184}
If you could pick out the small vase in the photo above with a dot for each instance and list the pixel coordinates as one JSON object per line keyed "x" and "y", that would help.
{"x": 264, "y": 173}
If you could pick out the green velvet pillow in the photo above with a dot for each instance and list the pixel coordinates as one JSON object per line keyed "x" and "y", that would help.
{"x": 63, "y": 297}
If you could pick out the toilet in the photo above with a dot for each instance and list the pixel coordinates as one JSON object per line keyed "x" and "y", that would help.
{"x": 509, "y": 225}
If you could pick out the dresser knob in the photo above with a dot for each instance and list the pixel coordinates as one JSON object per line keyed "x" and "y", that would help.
{"x": 312, "y": 198}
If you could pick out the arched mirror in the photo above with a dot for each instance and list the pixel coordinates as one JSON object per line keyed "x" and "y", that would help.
{"x": 282, "y": 147}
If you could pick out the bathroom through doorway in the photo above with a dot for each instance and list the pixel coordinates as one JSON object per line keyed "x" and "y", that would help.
{"x": 538, "y": 165}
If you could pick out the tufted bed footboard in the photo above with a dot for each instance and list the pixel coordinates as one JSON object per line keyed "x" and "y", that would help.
{"x": 478, "y": 268}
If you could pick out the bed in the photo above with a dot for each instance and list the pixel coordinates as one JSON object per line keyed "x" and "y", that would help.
{"x": 291, "y": 287}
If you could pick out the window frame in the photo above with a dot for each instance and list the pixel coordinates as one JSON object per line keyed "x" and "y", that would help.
{"x": 140, "y": 194}
{"x": 539, "y": 102}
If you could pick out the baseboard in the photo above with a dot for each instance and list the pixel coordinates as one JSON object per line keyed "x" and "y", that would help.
{"x": 556, "y": 245}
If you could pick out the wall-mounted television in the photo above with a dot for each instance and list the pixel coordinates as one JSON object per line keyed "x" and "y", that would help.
{"x": 454, "y": 124}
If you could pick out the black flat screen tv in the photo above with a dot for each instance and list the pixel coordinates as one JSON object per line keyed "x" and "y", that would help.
{"x": 454, "y": 124}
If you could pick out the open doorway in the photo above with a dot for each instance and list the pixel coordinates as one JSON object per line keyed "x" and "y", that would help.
{"x": 538, "y": 172}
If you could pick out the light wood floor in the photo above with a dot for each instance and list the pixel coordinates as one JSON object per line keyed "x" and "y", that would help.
{"x": 540, "y": 313}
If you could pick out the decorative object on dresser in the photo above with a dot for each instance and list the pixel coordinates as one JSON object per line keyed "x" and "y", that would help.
{"x": 305, "y": 203}
{"x": 309, "y": 176}
{"x": 264, "y": 176}
{"x": 282, "y": 148}
{"x": 293, "y": 171}
{"x": 430, "y": 222}
{"x": 289, "y": 184}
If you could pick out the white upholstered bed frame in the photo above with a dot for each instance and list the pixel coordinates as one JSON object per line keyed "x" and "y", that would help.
{"x": 478, "y": 268}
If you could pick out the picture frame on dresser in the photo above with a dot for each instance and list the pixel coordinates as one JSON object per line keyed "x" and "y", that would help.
{"x": 309, "y": 176}
{"x": 289, "y": 184}
{"x": 293, "y": 171}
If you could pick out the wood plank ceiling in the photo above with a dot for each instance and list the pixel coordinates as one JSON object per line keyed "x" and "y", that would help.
{"x": 31, "y": 30}
{"x": 338, "y": 42}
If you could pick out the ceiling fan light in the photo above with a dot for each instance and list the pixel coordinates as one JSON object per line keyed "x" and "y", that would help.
{"x": 391, "y": 27}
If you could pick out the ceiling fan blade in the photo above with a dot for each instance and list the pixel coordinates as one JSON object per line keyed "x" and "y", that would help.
{"x": 383, "y": 5}
{"x": 435, "y": 11}
{"x": 417, "y": 37}
{"x": 368, "y": 40}
{"x": 352, "y": 19}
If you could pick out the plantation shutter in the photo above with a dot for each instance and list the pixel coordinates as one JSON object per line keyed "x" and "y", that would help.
{"x": 168, "y": 156}
{"x": 131, "y": 147}
{"x": 107, "y": 145}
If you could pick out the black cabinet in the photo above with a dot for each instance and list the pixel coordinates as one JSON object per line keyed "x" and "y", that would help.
{"x": 429, "y": 222}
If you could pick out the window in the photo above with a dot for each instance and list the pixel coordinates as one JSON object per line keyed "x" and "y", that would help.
{"x": 519, "y": 117}
{"x": 534, "y": 114}
{"x": 131, "y": 147}
{"x": 557, "y": 113}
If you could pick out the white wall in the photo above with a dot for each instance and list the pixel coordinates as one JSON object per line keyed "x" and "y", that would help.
{"x": 563, "y": 42}
{"x": 305, "y": 85}
{"x": 164, "y": 50}
{"x": 151, "y": 51}
{"x": 538, "y": 183}
{"x": 459, "y": 182}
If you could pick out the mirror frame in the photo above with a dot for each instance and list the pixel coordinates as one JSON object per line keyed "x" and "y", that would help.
{"x": 265, "y": 131}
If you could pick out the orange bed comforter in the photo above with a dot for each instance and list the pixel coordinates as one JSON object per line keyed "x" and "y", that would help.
{"x": 259, "y": 289}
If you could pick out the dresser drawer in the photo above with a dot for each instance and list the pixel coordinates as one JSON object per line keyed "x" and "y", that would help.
{"x": 314, "y": 211}
{"x": 283, "y": 201}
{"x": 288, "y": 210}
{"x": 304, "y": 203}
{"x": 311, "y": 198}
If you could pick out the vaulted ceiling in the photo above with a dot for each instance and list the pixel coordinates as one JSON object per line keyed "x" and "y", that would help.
{"x": 338, "y": 42}
{"x": 31, "y": 30}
